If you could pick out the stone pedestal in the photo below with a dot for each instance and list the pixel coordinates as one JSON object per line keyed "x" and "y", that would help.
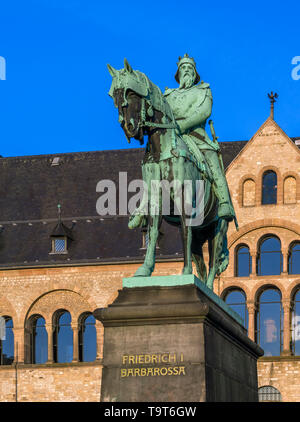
{"x": 170, "y": 339}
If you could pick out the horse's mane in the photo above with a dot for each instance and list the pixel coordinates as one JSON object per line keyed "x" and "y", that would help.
{"x": 154, "y": 95}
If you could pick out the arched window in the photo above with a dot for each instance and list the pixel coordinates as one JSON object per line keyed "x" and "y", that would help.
{"x": 7, "y": 342}
{"x": 269, "y": 260}
{"x": 269, "y": 322}
{"x": 243, "y": 261}
{"x": 249, "y": 193}
{"x": 269, "y": 188}
{"x": 38, "y": 339}
{"x": 289, "y": 190}
{"x": 236, "y": 299}
{"x": 268, "y": 393}
{"x": 62, "y": 337}
{"x": 87, "y": 338}
{"x": 296, "y": 324}
{"x": 294, "y": 258}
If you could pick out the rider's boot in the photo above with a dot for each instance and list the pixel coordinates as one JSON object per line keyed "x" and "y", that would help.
{"x": 225, "y": 209}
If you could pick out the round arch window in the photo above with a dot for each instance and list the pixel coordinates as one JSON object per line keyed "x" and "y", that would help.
{"x": 269, "y": 393}
{"x": 236, "y": 299}
{"x": 269, "y": 322}
{"x": 269, "y": 188}
{"x": 269, "y": 261}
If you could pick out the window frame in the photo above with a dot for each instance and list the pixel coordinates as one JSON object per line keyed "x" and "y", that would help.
{"x": 258, "y": 318}
{"x": 273, "y": 391}
{"x": 12, "y": 358}
{"x": 263, "y": 188}
{"x": 53, "y": 248}
{"x": 290, "y": 260}
{"x": 81, "y": 328}
{"x": 292, "y": 321}
{"x": 244, "y": 303}
{"x": 236, "y": 260}
{"x": 260, "y": 253}
{"x": 31, "y": 332}
{"x": 56, "y": 327}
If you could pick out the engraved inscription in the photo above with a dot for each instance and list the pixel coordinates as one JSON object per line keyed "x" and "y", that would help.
{"x": 158, "y": 364}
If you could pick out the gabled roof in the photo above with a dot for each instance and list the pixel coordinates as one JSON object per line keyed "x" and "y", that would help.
{"x": 61, "y": 230}
{"x": 293, "y": 141}
{"x": 30, "y": 189}
{"x": 32, "y": 186}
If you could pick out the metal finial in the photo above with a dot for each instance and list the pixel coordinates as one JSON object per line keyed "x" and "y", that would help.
{"x": 272, "y": 96}
{"x": 59, "y": 211}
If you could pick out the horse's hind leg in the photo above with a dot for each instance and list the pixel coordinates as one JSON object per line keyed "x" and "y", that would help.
{"x": 200, "y": 266}
{"x": 197, "y": 256}
{"x": 186, "y": 232}
{"x": 217, "y": 245}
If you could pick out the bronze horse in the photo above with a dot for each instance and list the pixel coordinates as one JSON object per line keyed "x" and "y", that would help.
{"x": 143, "y": 110}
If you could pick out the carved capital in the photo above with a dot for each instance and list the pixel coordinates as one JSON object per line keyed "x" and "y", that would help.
{"x": 251, "y": 306}
{"x": 286, "y": 305}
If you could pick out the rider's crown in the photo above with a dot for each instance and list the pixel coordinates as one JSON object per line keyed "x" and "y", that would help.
{"x": 186, "y": 59}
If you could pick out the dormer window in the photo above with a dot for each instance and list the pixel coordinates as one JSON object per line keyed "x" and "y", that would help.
{"x": 59, "y": 245}
{"x": 61, "y": 236}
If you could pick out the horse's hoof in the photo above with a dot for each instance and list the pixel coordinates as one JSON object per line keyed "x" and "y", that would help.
{"x": 143, "y": 272}
{"x": 210, "y": 284}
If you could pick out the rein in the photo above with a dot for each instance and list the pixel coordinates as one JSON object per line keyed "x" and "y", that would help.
{"x": 143, "y": 121}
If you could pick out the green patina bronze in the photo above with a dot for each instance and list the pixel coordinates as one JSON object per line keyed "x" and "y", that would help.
{"x": 178, "y": 149}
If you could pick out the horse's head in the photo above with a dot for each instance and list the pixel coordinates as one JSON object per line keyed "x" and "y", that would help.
{"x": 128, "y": 90}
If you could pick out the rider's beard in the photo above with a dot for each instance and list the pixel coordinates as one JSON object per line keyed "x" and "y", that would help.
{"x": 187, "y": 80}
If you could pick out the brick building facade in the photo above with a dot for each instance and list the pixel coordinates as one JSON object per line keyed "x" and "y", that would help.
{"x": 83, "y": 271}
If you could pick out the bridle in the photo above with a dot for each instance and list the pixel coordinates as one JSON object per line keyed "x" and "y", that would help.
{"x": 144, "y": 123}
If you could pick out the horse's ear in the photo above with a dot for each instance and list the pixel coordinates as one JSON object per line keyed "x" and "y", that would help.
{"x": 111, "y": 70}
{"x": 127, "y": 66}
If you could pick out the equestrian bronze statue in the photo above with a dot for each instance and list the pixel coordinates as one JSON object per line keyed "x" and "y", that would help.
{"x": 180, "y": 156}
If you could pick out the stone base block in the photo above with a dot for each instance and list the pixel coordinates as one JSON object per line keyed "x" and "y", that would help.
{"x": 175, "y": 343}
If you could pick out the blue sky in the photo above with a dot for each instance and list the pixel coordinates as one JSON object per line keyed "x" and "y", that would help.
{"x": 54, "y": 98}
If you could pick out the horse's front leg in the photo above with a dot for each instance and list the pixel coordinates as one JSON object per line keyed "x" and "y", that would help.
{"x": 147, "y": 268}
{"x": 151, "y": 175}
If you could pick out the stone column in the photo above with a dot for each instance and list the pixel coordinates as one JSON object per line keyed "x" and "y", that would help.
{"x": 251, "y": 319}
{"x": 285, "y": 261}
{"x": 75, "y": 327}
{"x": 100, "y": 335}
{"x": 49, "y": 329}
{"x": 18, "y": 344}
{"x": 253, "y": 266}
{"x": 286, "y": 328}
